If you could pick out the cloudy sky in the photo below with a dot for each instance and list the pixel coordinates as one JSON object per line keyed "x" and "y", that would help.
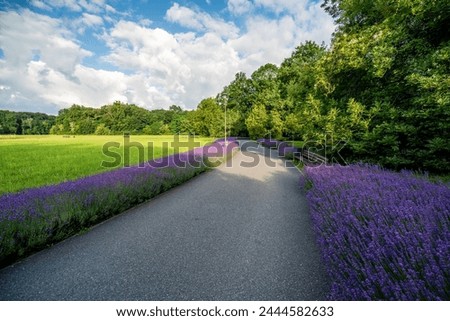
{"x": 153, "y": 53}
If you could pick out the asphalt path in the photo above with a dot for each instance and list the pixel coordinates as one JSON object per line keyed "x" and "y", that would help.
{"x": 239, "y": 232}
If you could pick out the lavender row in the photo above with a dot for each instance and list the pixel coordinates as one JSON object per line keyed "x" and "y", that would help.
{"x": 268, "y": 142}
{"x": 228, "y": 139}
{"x": 285, "y": 149}
{"x": 383, "y": 235}
{"x": 32, "y": 218}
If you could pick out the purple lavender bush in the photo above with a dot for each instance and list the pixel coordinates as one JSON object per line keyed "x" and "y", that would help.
{"x": 290, "y": 151}
{"x": 229, "y": 139}
{"x": 33, "y": 218}
{"x": 383, "y": 235}
{"x": 282, "y": 146}
{"x": 268, "y": 142}
{"x": 286, "y": 150}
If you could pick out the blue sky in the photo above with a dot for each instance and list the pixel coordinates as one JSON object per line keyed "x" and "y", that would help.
{"x": 55, "y": 53}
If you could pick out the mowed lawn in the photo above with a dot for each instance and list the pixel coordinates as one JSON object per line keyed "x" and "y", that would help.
{"x": 32, "y": 161}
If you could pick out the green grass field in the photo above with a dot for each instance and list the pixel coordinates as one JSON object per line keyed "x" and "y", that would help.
{"x": 32, "y": 161}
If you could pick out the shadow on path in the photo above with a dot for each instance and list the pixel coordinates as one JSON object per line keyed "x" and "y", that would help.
{"x": 234, "y": 233}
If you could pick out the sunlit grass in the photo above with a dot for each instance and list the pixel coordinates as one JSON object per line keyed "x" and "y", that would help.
{"x": 298, "y": 144}
{"x": 32, "y": 161}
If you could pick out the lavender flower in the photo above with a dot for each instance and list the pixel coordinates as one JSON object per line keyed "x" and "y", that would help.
{"x": 286, "y": 150}
{"x": 383, "y": 235}
{"x": 31, "y": 218}
{"x": 268, "y": 142}
{"x": 229, "y": 139}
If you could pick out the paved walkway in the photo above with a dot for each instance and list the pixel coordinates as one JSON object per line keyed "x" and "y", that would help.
{"x": 239, "y": 232}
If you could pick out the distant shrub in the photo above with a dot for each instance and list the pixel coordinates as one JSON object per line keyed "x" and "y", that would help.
{"x": 102, "y": 130}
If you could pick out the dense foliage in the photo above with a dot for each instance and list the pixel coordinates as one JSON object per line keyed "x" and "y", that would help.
{"x": 382, "y": 87}
{"x": 26, "y": 123}
{"x": 118, "y": 118}
{"x": 393, "y": 60}
{"x": 383, "y": 235}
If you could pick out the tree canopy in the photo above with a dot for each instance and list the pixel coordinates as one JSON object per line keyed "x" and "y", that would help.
{"x": 27, "y": 123}
{"x": 382, "y": 87}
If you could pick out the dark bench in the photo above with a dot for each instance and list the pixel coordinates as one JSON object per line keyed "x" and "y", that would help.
{"x": 308, "y": 157}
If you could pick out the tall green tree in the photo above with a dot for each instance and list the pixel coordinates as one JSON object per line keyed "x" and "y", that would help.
{"x": 209, "y": 119}
{"x": 392, "y": 58}
{"x": 237, "y": 99}
{"x": 257, "y": 121}
{"x": 299, "y": 75}
{"x": 266, "y": 88}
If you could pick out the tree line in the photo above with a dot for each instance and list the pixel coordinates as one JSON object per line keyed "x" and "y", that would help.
{"x": 117, "y": 118}
{"x": 382, "y": 87}
{"x": 25, "y": 123}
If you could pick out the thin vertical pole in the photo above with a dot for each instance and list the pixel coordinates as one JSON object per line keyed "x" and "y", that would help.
{"x": 225, "y": 125}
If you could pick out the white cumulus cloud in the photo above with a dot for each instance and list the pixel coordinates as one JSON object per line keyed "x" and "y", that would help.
{"x": 93, "y": 6}
{"x": 41, "y": 64}
{"x": 239, "y": 7}
{"x": 40, "y": 4}
{"x": 91, "y": 20}
{"x": 43, "y": 68}
{"x": 200, "y": 21}
{"x": 25, "y": 34}
{"x": 181, "y": 67}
